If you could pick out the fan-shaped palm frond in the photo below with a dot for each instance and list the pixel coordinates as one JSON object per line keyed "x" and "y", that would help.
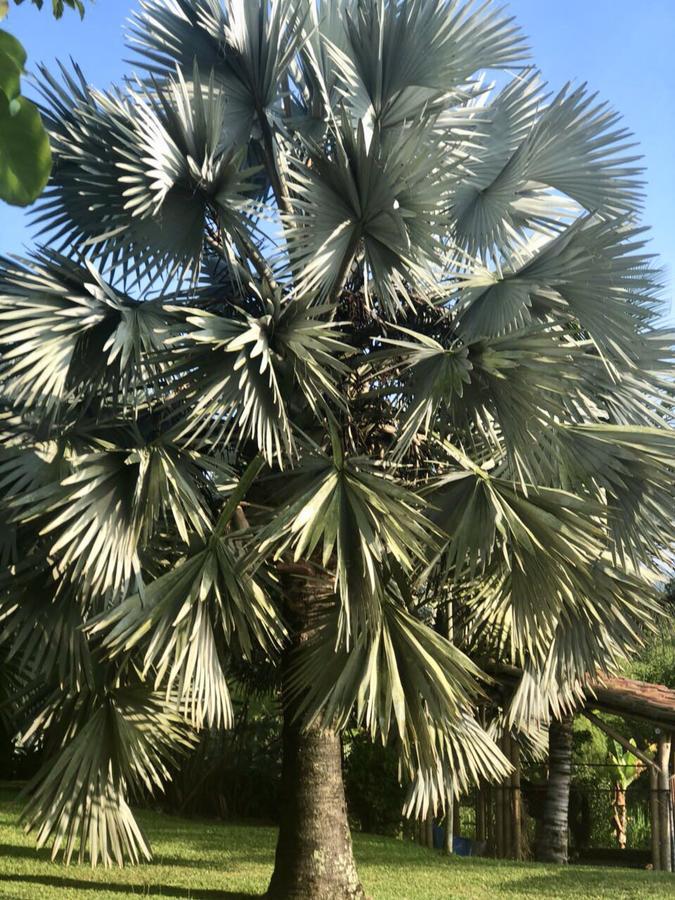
{"x": 572, "y": 147}
{"x": 127, "y": 737}
{"x": 25, "y": 466}
{"x": 144, "y": 193}
{"x": 591, "y": 640}
{"x": 536, "y": 550}
{"x": 112, "y": 502}
{"x": 208, "y": 605}
{"x": 41, "y": 629}
{"x": 510, "y": 388}
{"x": 166, "y": 32}
{"x": 343, "y": 508}
{"x": 64, "y": 331}
{"x": 587, "y": 274}
{"x": 632, "y": 468}
{"x": 426, "y": 52}
{"x": 248, "y": 47}
{"x": 241, "y": 371}
{"x": 378, "y": 198}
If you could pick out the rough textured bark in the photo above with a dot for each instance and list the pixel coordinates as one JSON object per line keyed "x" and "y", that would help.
{"x": 620, "y": 817}
{"x": 553, "y": 842}
{"x": 314, "y": 858}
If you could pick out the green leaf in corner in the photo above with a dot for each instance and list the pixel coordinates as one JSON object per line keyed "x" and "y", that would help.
{"x": 4, "y": 9}
{"x": 12, "y": 60}
{"x": 25, "y": 155}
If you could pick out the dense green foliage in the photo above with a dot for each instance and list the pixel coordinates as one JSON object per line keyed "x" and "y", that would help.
{"x": 233, "y": 774}
{"x": 656, "y": 661}
{"x": 25, "y": 156}
{"x": 594, "y": 775}
{"x": 201, "y": 860}
{"x": 374, "y": 793}
{"x": 58, "y": 6}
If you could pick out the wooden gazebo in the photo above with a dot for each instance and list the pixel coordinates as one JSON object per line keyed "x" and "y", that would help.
{"x": 499, "y": 808}
{"x": 652, "y": 704}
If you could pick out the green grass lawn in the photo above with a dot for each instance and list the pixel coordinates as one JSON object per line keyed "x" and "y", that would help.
{"x": 209, "y": 861}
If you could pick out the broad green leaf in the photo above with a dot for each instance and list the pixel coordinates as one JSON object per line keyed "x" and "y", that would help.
{"x": 12, "y": 60}
{"x": 25, "y": 155}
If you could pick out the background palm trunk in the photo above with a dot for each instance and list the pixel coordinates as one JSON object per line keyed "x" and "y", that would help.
{"x": 553, "y": 841}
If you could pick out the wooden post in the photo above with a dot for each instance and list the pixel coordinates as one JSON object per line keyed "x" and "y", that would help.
{"x": 430, "y": 831}
{"x": 655, "y": 817}
{"x": 516, "y": 805}
{"x": 492, "y": 819}
{"x": 481, "y": 831}
{"x": 508, "y": 820}
{"x": 499, "y": 820}
{"x": 449, "y": 822}
{"x": 664, "y": 803}
{"x": 503, "y": 809}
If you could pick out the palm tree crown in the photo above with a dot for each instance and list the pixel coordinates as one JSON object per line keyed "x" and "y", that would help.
{"x": 323, "y": 312}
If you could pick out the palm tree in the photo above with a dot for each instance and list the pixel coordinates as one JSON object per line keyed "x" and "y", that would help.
{"x": 327, "y": 332}
{"x": 553, "y": 840}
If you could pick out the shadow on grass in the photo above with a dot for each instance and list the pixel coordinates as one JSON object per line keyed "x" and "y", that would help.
{"x": 573, "y": 883}
{"x": 16, "y": 850}
{"x": 146, "y": 890}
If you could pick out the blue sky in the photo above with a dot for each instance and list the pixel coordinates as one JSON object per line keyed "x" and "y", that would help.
{"x": 623, "y": 49}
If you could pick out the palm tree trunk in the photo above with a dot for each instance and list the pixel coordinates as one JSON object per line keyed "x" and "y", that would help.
{"x": 314, "y": 858}
{"x": 553, "y": 841}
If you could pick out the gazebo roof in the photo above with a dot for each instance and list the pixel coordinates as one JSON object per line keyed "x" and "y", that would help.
{"x": 654, "y": 703}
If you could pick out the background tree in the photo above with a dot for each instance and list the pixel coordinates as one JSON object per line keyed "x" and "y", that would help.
{"x": 25, "y": 156}
{"x": 656, "y": 660}
{"x": 58, "y": 6}
{"x": 625, "y": 769}
{"x": 326, "y": 329}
